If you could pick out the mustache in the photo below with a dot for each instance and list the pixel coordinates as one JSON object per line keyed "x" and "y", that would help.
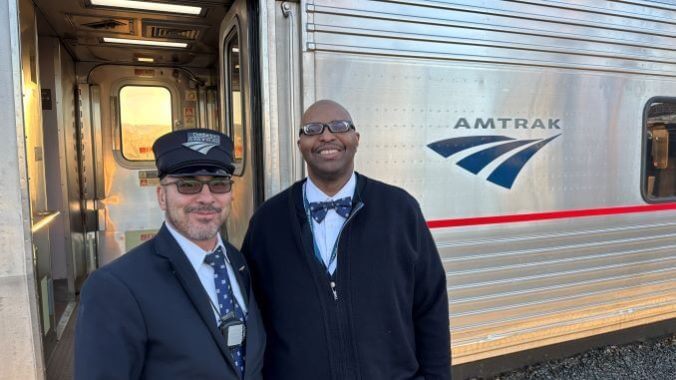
{"x": 202, "y": 208}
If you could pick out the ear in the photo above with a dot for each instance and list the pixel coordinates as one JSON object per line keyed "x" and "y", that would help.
{"x": 357, "y": 136}
{"x": 162, "y": 198}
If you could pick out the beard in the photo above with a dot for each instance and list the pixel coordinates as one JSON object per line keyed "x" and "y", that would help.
{"x": 196, "y": 231}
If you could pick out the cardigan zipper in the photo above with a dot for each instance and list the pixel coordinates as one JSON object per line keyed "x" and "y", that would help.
{"x": 333, "y": 289}
{"x": 341, "y": 314}
{"x": 332, "y": 284}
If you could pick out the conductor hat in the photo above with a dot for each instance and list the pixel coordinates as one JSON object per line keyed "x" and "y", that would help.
{"x": 194, "y": 152}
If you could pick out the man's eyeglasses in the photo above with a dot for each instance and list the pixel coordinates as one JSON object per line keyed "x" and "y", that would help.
{"x": 191, "y": 186}
{"x": 336, "y": 126}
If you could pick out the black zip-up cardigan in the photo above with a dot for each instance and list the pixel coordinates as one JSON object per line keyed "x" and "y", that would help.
{"x": 390, "y": 320}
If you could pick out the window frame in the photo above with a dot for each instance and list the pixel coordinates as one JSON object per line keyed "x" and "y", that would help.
{"x": 117, "y": 122}
{"x": 228, "y": 125}
{"x": 644, "y": 153}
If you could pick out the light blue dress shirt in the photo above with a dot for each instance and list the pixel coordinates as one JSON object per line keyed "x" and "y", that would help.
{"x": 326, "y": 232}
{"x": 204, "y": 271}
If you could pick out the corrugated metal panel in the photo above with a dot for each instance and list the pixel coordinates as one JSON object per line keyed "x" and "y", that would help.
{"x": 407, "y": 70}
{"x": 539, "y": 283}
{"x": 590, "y": 35}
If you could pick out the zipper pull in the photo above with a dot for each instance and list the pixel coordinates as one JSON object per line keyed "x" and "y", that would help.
{"x": 333, "y": 289}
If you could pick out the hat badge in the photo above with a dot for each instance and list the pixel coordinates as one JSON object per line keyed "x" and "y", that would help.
{"x": 202, "y": 142}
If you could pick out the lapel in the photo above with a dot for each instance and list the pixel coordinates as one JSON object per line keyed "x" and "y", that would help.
{"x": 166, "y": 246}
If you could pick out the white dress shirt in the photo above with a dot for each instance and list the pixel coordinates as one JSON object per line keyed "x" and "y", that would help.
{"x": 326, "y": 232}
{"x": 204, "y": 271}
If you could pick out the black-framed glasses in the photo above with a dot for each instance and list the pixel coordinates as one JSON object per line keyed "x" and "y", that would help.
{"x": 336, "y": 126}
{"x": 191, "y": 186}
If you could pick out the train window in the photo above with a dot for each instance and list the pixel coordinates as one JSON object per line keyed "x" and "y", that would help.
{"x": 659, "y": 163}
{"x": 235, "y": 105}
{"x": 145, "y": 115}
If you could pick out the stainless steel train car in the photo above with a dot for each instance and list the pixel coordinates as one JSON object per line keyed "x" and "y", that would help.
{"x": 536, "y": 136}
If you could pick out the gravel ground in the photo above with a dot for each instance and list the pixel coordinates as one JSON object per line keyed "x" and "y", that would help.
{"x": 652, "y": 359}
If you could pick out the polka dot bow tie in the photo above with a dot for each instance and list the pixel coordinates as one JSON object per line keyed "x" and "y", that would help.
{"x": 318, "y": 210}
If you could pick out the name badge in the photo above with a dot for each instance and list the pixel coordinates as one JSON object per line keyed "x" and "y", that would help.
{"x": 235, "y": 335}
{"x": 233, "y": 330}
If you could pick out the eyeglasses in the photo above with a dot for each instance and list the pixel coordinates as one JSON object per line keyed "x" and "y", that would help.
{"x": 194, "y": 186}
{"x": 336, "y": 126}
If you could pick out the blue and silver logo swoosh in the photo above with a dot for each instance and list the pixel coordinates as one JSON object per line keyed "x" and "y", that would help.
{"x": 202, "y": 142}
{"x": 201, "y": 147}
{"x": 505, "y": 174}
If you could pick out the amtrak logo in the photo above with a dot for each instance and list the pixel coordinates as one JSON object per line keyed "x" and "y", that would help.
{"x": 505, "y": 174}
{"x": 202, "y": 142}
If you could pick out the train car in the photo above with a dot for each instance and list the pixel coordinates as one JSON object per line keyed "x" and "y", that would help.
{"x": 536, "y": 136}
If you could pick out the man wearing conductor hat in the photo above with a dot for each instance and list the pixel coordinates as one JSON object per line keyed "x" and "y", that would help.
{"x": 178, "y": 306}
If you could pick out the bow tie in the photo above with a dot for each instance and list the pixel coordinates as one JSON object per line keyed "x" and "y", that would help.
{"x": 343, "y": 206}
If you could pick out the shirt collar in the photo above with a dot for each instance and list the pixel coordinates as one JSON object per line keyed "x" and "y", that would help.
{"x": 313, "y": 193}
{"x": 192, "y": 251}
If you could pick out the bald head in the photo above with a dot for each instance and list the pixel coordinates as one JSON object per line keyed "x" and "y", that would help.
{"x": 329, "y": 155}
{"x": 324, "y": 111}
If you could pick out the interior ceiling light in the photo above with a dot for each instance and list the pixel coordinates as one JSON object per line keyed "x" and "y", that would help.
{"x": 145, "y": 59}
{"x": 145, "y": 42}
{"x": 148, "y": 6}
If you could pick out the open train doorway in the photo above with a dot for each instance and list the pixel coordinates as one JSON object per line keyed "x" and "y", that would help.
{"x": 105, "y": 96}
{"x": 137, "y": 105}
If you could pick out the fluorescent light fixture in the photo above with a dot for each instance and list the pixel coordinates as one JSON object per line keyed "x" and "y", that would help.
{"x": 145, "y": 59}
{"x": 148, "y": 6}
{"x": 145, "y": 42}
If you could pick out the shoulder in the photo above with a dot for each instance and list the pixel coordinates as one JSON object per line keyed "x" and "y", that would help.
{"x": 279, "y": 203}
{"x": 275, "y": 203}
{"x": 134, "y": 257}
{"x": 126, "y": 269}
{"x": 375, "y": 190}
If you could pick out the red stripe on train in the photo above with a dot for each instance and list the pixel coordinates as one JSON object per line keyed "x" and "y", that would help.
{"x": 515, "y": 218}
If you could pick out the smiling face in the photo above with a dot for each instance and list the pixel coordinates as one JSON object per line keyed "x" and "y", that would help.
{"x": 329, "y": 156}
{"x": 199, "y": 216}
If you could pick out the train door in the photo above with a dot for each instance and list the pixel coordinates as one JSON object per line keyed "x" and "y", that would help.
{"x": 136, "y": 106}
{"x": 237, "y": 101}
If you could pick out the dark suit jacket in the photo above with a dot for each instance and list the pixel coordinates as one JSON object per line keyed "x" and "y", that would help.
{"x": 147, "y": 316}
